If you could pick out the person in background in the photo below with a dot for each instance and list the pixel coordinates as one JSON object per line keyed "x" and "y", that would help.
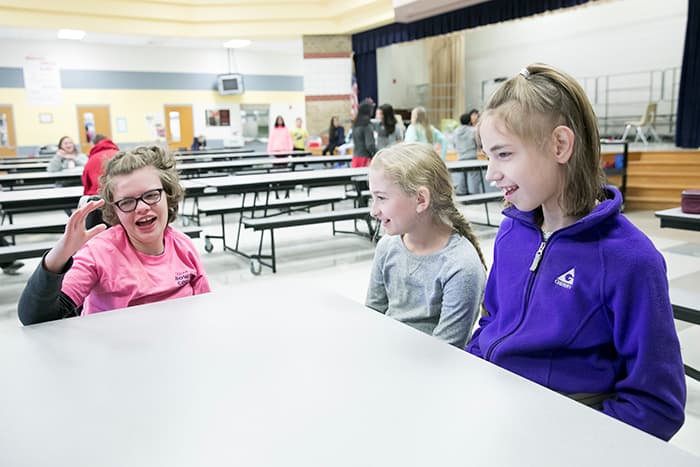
{"x": 336, "y": 136}
{"x": 299, "y": 135}
{"x": 280, "y": 140}
{"x": 420, "y": 130}
{"x": 389, "y": 130}
{"x": 465, "y": 143}
{"x": 67, "y": 156}
{"x": 139, "y": 259}
{"x": 428, "y": 271}
{"x": 346, "y": 146}
{"x": 577, "y": 299}
{"x": 363, "y": 136}
{"x": 199, "y": 143}
{"x": 103, "y": 150}
{"x": 400, "y": 123}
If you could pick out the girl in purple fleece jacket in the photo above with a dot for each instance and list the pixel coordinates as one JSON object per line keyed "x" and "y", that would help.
{"x": 577, "y": 297}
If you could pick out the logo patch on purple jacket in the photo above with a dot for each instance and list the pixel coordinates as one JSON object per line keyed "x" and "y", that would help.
{"x": 566, "y": 280}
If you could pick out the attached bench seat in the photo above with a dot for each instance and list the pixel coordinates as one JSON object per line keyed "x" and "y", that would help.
{"x": 22, "y": 229}
{"x": 12, "y": 253}
{"x": 481, "y": 198}
{"x": 685, "y": 299}
{"x": 222, "y": 208}
{"x": 267, "y": 223}
{"x": 37, "y": 249}
{"x": 277, "y": 206}
{"x": 271, "y": 223}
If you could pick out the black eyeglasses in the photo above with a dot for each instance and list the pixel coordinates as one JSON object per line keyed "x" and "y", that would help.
{"x": 150, "y": 197}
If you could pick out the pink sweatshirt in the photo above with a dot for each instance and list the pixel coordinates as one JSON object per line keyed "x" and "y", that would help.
{"x": 108, "y": 273}
{"x": 280, "y": 140}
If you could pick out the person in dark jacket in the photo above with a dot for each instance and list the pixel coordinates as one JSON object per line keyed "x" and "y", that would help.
{"x": 363, "y": 136}
{"x": 199, "y": 143}
{"x": 336, "y": 136}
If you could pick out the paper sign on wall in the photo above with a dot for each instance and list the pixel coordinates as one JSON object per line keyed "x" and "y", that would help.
{"x": 42, "y": 82}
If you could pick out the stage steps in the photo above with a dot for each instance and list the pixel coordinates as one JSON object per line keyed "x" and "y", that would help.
{"x": 655, "y": 179}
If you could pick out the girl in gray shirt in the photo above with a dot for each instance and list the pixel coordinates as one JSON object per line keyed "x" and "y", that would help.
{"x": 428, "y": 270}
{"x": 389, "y": 130}
{"x": 67, "y": 156}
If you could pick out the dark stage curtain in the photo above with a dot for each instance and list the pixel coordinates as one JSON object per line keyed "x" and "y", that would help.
{"x": 366, "y": 74}
{"x": 688, "y": 115}
{"x": 365, "y": 44}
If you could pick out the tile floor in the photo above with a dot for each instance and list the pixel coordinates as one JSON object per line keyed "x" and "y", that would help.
{"x": 342, "y": 264}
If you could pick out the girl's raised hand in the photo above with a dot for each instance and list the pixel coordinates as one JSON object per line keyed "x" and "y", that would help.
{"x": 74, "y": 237}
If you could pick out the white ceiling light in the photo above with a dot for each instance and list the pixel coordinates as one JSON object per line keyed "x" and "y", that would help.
{"x": 237, "y": 43}
{"x": 71, "y": 34}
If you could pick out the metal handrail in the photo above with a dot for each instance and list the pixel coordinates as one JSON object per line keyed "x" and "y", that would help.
{"x": 621, "y": 97}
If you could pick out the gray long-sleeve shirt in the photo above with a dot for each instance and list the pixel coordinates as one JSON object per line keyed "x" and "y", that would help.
{"x": 384, "y": 139}
{"x": 58, "y": 163}
{"x": 438, "y": 294}
{"x": 465, "y": 142}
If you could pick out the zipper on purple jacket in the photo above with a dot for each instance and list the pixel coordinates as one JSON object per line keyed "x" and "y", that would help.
{"x": 533, "y": 268}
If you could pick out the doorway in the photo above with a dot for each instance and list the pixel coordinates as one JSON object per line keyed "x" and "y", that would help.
{"x": 8, "y": 145}
{"x": 92, "y": 119}
{"x": 179, "y": 127}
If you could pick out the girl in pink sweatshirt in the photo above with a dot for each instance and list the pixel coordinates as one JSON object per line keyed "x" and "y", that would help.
{"x": 139, "y": 259}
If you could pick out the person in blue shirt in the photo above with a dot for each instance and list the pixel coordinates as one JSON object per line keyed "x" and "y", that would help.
{"x": 420, "y": 130}
{"x": 199, "y": 143}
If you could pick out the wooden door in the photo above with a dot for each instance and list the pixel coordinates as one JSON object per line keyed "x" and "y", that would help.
{"x": 179, "y": 127}
{"x": 8, "y": 144}
{"x": 93, "y": 119}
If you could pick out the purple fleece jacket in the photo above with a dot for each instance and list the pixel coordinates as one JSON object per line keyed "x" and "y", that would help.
{"x": 594, "y": 316}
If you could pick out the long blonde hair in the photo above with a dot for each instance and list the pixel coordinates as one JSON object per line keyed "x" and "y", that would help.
{"x": 415, "y": 165}
{"x": 423, "y": 120}
{"x": 536, "y": 101}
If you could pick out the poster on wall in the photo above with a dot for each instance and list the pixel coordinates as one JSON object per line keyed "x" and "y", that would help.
{"x": 4, "y": 131}
{"x": 42, "y": 82}
{"x": 155, "y": 127}
{"x": 90, "y": 132}
{"x": 121, "y": 125}
{"x": 220, "y": 117}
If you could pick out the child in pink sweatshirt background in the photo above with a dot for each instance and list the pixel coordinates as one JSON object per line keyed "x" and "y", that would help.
{"x": 280, "y": 140}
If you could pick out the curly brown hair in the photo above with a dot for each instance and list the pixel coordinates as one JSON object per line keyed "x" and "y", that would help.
{"x": 125, "y": 162}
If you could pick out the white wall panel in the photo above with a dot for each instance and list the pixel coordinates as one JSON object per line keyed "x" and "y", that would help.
{"x": 595, "y": 39}
{"x": 327, "y": 76}
{"x": 72, "y": 55}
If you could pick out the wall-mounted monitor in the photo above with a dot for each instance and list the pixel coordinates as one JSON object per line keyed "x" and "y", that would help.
{"x": 230, "y": 84}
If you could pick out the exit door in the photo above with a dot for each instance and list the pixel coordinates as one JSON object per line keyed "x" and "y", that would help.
{"x": 179, "y": 126}
{"x": 92, "y": 120}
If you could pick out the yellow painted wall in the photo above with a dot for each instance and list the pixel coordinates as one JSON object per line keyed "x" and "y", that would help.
{"x": 133, "y": 105}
